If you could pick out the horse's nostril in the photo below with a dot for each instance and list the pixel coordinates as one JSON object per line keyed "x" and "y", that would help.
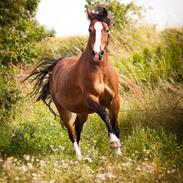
{"x": 93, "y": 52}
{"x": 101, "y": 53}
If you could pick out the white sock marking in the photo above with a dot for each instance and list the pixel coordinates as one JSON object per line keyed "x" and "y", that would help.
{"x": 113, "y": 138}
{"x": 78, "y": 151}
{"x": 98, "y": 28}
{"x": 118, "y": 151}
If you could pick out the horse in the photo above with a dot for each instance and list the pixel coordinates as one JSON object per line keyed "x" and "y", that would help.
{"x": 83, "y": 84}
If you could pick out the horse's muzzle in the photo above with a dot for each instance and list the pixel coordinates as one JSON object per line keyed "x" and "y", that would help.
{"x": 98, "y": 57}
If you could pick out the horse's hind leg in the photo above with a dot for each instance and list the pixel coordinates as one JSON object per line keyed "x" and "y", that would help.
{"x": 66, "y": 120}
{"x": 113, "y": 114}
{"x": 78, "y": 124}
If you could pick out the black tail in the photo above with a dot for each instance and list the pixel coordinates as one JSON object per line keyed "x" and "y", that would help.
{"x": 41, "y": 76}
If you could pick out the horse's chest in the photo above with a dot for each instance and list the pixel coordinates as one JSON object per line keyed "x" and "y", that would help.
{"x": 99, "y": 88}
{"x": 94, "y": 85}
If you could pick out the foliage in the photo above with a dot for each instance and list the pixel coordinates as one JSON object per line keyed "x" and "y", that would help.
{"x": 13, "y": 11}
{"x": 146, "y": 55}
{"x": 140, "y": 53}
{"x": 9, "y": 96}
{"x": 39, "y": 150}
{"x": 56, "y": 47}
{"x": 34, "y": 148}
{"x": 19, "y": 31}
{"x": 173, "y": 49}
{"x": 120, "y": 13}
{"x": 19, "y": 34}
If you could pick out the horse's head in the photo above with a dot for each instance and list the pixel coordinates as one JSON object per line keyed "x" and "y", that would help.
{"x": 99, "y": 32}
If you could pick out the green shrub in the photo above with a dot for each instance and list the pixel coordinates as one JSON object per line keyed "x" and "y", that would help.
{"x": 150, "y": 62}
{"x": 9, "y": 96}
{"x": 19, "y": 31}
{"x": 34, "y": 139}
{"x": 34, "y": 134}
{"x": 173, "y": 50}
{"x": 19, "y": 46}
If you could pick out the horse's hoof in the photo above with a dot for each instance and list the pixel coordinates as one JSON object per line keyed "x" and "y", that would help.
{"x": 114, "y": 141}
{"x": 118, "y": 151}
{"x": 115, "y": 144}
{"x": 79, "y": 158}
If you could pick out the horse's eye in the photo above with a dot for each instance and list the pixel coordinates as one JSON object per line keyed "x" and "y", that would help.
{"x": 107, "y": 30}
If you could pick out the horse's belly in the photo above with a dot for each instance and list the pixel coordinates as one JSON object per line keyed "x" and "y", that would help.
{"x": 72, "y": 101}
{"x": 75, "y": 106}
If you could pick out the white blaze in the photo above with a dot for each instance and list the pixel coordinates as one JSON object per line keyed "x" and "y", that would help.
{"x": 98, "y": 28}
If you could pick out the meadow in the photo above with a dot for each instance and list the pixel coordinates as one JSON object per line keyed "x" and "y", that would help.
{"x": 34, "y": 147}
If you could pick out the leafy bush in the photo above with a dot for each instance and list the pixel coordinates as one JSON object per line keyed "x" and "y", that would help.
{"x": 34, "y": 139}
{"x": 145, "y": 59}
{"x": 9, "y": 96}
{"x": 30, "y": 136}
{"x": 19, "y": 31}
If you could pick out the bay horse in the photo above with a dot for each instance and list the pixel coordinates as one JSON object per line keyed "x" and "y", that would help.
{"x": 83, "y": 84}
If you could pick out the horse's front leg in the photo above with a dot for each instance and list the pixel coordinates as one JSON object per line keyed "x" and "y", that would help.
{"x": 93, "y": 103}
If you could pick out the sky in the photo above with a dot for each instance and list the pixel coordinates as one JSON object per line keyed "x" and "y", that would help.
{"x": 67, "y": 17}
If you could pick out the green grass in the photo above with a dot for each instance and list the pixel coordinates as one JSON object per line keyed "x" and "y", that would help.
{"x": 140, "y": 53}
{"x": 39, "y": 150}
{"x": 34, "y": 147}
{"x": 66, "y": 46}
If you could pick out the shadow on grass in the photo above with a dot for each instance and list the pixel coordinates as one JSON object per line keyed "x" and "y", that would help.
{"x": 171, "y": 120}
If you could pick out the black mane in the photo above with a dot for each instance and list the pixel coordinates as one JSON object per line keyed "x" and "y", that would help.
{"x": 101, "y": 15}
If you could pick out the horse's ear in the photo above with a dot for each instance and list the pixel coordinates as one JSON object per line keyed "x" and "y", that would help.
{"x": 110, "y": 18}
{"x": 104, "y": 13}
{"x": 89, "y": 14}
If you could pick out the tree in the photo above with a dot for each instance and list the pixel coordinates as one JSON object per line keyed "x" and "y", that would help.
{"x": 121, "y": 14}
{"x": 19, "y": 31}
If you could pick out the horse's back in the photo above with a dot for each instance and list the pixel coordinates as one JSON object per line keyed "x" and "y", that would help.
{"x": 64, "y": 68}
{"x": 67, "y": 61}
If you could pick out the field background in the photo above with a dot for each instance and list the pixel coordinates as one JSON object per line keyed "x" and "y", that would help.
{"x": 33, "y": 146}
